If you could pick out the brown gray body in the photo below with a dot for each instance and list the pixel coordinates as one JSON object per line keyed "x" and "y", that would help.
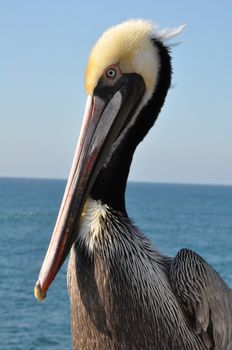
{"x": 123, "y": 294}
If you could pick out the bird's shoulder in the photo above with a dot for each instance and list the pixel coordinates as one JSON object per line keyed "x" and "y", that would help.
{"x": 205, "y": 298}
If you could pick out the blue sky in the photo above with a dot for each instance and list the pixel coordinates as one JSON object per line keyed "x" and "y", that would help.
{"x": 43, "y": 53}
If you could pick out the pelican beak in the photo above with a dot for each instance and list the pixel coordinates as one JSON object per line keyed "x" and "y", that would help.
{"x": 107, "y": 113}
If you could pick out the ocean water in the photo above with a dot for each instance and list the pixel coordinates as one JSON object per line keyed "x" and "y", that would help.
{"x": 173, "y": 216}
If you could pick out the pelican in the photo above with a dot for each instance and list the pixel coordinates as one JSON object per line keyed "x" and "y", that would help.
{"x": 124, "y": 293}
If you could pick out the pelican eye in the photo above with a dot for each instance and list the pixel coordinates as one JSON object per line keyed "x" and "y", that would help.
{"x": 111, "y": 73}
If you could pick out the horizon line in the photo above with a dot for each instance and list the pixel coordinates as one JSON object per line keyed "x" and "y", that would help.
{"x": 130, "y": 181}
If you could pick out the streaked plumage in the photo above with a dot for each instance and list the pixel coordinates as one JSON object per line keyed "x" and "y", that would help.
{"x": 124, "y": 293}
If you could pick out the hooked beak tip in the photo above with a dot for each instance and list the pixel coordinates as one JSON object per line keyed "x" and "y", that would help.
{"x": 38, "y": 292}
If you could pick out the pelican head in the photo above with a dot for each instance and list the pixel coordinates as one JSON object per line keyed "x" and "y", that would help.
{"x": 127, "y": 77}
{"x": 124, "y": 48}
